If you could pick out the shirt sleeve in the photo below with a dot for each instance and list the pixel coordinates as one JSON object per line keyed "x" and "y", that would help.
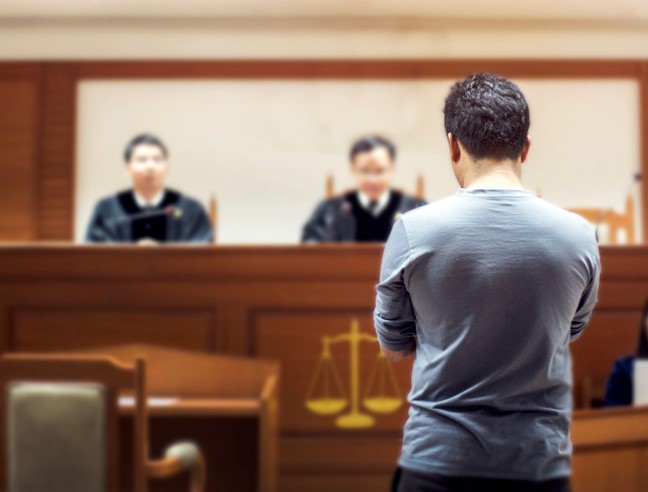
{"x": 98, "y": 230}
{"x": 394, "y": 318}
{"x": 317, "y": 228}
{"x": 198, "y": 228}
{"x": 588, "y": 298}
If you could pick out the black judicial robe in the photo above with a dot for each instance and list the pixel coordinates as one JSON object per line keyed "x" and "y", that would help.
{"x": 343, "y": 219}
{"x": 178, "y": 218}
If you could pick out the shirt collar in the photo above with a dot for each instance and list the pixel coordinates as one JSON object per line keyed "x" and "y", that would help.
{"x": 382, "y": 201}
{"x": 143, "y": 203}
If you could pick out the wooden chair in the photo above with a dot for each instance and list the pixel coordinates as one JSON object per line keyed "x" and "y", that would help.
{"x": 59, "y": 421}
{"x": 420, "y": 187}
{"x": 213, "y": 215}
{"x": 615, "y": 221}
{"x": 229, "y": 386}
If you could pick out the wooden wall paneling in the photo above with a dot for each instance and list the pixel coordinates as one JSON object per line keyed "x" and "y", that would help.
{"x": 34, "y": 330}
{"x": 298, "y": 340}
{"x": 643, "y": 138}
{"x": 624, "y": 264}
{"x": 317, "y": 454}
{"x": 323, "y": 464}
{"x": 235, "y": 339}
{"x": 610, "y": 334}
{"x": 78, "y": 315}
{"x": 5, "y": 324}
{"x": 352, "y": 482}
{"x": 57, "y": 153}
{"x": 20, "y": 70}
{"x": 272, "y": 264}
{"x": 353, "y": 452}
{"x": 19, "y": 132}
{"x": 263, "y": 304}
{"x": 622, "y": 295}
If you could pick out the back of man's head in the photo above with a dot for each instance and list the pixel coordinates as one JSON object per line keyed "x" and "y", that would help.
{"x": 489, "y": 116}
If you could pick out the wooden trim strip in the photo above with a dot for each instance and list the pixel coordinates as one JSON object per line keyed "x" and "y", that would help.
{"x": 357, "y": 69}
{"x": 643, "y": 146}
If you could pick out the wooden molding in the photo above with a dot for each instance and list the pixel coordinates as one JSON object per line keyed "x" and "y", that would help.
{"x": 55, "y": 214}
{"x": 357, "y": 69}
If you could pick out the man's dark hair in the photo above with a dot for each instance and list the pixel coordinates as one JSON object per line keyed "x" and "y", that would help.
{"x": 488, "y": 115}
{"x": 144, "y": 139}
{"x": 369, "y": 143}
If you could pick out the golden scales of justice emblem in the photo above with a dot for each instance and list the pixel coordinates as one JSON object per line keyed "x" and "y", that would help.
{"x": 326, "y": 395}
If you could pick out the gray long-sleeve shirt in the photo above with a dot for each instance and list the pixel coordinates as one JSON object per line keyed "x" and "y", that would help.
{"x": 493, "y": 284}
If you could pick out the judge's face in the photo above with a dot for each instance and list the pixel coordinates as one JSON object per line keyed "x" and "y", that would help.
{"x": 373, "y": 172}
{"x": 147, "y": 168}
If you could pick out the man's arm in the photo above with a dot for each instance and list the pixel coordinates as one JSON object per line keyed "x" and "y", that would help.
{"x": 318, "y": 228}
{"x": 588, "y": 299}
{"x": 394, "y": 318}
{"x": 98, "y": 230}
{"x": 198, "y": 229}
{"x": 395, "y": 356}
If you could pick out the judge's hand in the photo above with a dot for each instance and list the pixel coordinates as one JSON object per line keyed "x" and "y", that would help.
{"x": 147, "y": 241}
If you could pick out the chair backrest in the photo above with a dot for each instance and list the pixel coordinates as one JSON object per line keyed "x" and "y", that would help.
{"x": 213, "y": 215}
{"x": 615, "y": 222}
{"x": 419, "y": 192}
{"x": 59, "y": 422}
{"x": 56, "y": 437}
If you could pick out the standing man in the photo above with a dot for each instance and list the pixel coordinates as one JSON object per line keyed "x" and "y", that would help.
{"x": 367, "y": 213}
{"x": 148, "y": 213}
{"x": 487, "y": 288}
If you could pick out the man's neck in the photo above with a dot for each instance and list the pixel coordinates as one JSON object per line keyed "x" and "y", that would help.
{"x": 493, "y": 176}
{"x": 379, "y": 204}
{"x": 150, "y": 197}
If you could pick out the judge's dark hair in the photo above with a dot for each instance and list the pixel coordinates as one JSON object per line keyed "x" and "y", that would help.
{"x": 371, "y": 142}
{"x": 489, "y": 116}
{"x": 642, "y": 347}
{"x": 144, "y": 139}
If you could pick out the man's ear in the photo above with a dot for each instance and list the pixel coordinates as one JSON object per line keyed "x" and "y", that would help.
{"x": 455, "y": 150}
{"x": 525, "y": 150}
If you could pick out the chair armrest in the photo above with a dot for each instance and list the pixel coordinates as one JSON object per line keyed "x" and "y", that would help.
{"x": 179, "y": 457}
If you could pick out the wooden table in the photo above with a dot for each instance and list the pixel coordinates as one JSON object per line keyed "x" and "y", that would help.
{"x": 227, "y": 405}
{"x": 279, "y": 303}
{"x": 610, "y": 450}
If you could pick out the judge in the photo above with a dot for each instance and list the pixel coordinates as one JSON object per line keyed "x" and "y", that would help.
{"x": 368, "y": 212}
{"x": 148, "y": 213}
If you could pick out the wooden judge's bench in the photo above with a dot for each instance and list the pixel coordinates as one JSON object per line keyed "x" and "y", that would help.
{"x": 342, "y": 406}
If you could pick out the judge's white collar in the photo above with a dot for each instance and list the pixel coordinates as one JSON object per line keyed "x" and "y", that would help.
{"x": 382, "y": 201}
{"x": 143, "y": 203}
